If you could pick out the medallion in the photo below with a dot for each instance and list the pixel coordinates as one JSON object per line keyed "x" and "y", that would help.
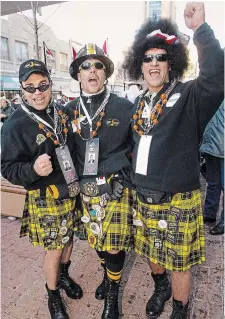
{"x": 85, "y": 219}
{"x": 162, "y": 223}
{"x": 95, "y": 229}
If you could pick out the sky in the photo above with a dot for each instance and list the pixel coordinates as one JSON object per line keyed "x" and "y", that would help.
{"x": 94, "y": 21}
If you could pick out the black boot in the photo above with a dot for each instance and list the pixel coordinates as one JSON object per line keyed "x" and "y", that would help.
{"x": 179, "y": 310}
{"x": 100, "y": 290}
{"x": 161, "y": 294}
{"x": 72, "y": 289}
{"x": 218, "y": 229}
{"x": 56, "y": 306}
{"x": 111, "y": 308}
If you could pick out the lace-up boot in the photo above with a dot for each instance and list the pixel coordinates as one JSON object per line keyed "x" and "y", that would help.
{"x": 100, "y": 290}
{"x": 111, "y": 308}
{"x": 161, "y": 294}
{"x": 56, "y": 306}
{"x": 179, "y": 310}
{"x": 72, "y": 289}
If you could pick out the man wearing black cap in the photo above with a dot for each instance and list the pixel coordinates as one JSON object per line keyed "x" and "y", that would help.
{"x": 35, "y": 141}
{"x": 101, "y": 123}
{"x": 168, "y": 123}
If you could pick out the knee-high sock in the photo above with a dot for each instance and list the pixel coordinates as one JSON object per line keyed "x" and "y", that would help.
{"x": 101, "y": 255}
{"x": 114, "y": 265}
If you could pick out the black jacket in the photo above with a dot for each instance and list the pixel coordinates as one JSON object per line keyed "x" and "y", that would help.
{"x": 19, "y": 150}
{"x": 115, "y": 142}
{"x": 173, "y": 163}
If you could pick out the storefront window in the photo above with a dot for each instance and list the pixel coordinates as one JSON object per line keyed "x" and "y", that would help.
{"x": 5, "y": 49}
{"x": 51, "y": 62}
{"x": 63, "y": 62}
{"x": 21, "y": 51}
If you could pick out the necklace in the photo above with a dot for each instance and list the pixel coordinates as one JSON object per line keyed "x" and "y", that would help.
{"x": 139, "y": 125}
{"x": 100, "y": 112}
{"x": 55, "y": 133}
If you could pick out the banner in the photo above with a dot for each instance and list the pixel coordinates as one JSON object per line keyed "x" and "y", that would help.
{"x": 48, "y": 53}
{"x": 75, "y": 47}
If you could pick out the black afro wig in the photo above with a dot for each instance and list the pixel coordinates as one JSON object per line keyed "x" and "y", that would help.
{"x": 178, "y": 52}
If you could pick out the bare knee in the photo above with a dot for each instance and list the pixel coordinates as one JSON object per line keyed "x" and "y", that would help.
{"x": 113, "y": 252}
{"x": 54, "y": 254}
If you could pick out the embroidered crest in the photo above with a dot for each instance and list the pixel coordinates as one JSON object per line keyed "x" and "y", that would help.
{"x": 40, "y": 139}
{"x": 31, "y": 64}
{"x": 112, "y": 122}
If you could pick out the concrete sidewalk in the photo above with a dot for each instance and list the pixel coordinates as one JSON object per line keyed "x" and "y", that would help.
{"x": 24, "y": 294}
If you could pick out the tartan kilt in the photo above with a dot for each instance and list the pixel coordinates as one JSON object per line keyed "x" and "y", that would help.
{"x": 116, "y": 227}
{"x": 171, "y": 234}
{"x": 48, "y": 222}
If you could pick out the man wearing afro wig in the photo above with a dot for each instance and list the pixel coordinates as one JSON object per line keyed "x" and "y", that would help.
{"x": 168, "y": 122}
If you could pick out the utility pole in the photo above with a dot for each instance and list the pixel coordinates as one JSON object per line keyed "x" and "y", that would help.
{"x": 44, "y": 53}
{"x": 34, "y": 9}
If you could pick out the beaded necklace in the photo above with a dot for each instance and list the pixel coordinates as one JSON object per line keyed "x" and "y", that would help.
{"x": 139, "y": 125}
{"x": 100, "y": 112}
{"x": 59, "y": 121}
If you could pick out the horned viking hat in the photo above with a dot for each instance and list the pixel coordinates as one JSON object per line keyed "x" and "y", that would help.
{"x": 91, "y": 51}
{"x": 162, "y": 34}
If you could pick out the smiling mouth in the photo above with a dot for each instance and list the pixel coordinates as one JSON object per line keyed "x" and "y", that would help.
{"x": 154, "y": 72}
{"x": 39, "y": 100}
{"x": 92, "y": 80}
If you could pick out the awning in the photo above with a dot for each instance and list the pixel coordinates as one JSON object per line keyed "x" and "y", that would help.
{"x": 9, "y": 7}
{"x": 9, "y": 83}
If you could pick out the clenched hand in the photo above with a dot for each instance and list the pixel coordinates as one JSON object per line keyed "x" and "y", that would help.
{"x": 43, "y": 165}
{"x": 194, "y": 15}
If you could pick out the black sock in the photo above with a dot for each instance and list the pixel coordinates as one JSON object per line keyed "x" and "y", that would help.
{"x": 114, "y": 265}
{"x": 101, "y": 255}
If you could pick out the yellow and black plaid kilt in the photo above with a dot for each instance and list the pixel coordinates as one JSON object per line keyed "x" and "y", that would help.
{"x": 116, "y": 226}
{"x": 172, "y": 234}
{"x": 48, "y": 222}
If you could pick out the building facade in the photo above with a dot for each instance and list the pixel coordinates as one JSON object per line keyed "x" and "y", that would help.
{"x": 18, "y": 45}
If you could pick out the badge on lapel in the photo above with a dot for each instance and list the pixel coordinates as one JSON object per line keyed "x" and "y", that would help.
{"x": 172, "y": 100}
{"x": 40, "y": 139}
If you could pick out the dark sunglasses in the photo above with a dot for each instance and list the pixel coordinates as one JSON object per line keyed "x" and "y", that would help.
{"x": 41, "y": 88}
{"x": 87, "y": 65}
{"x": 159, "y": 57}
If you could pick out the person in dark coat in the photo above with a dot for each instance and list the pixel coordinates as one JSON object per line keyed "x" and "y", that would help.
{"x": 168, "y": 123}
{"x": 6, "y": 109}
{"x": 212, "y": 148}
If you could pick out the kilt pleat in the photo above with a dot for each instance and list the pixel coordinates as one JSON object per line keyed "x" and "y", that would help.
{"x": 48, "y": 222}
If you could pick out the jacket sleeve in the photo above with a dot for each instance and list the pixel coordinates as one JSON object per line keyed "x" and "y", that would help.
{"x": 209, "y": 86}
{"x": 16, "y": 165}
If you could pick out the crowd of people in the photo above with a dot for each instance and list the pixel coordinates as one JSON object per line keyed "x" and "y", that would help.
{"x": 127, "y": 170}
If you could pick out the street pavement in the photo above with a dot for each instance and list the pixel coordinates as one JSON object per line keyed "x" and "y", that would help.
{"x": 23, "y": 294}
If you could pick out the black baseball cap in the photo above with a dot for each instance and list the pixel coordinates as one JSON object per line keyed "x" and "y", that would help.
{"x": 32, "y": 66}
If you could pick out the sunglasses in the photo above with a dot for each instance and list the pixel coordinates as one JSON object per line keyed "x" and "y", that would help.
{"x": 159, "y": 57}
{"x": 41, "y": 88}
{"x": 87, "y": 65}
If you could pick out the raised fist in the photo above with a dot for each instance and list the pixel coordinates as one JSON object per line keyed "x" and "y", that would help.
{"x": 43, "y": 165}
{"x": 194, "y": 15}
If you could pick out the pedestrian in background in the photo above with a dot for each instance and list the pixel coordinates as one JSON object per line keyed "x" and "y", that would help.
{"x": 6, "y": 109}
{"x": 213, "y": 149}
{"x": 168, "y": 123}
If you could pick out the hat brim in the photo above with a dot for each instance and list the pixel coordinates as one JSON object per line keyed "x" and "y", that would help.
{"x": 26, "y": 76}
{"x": 74, "y": 67}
